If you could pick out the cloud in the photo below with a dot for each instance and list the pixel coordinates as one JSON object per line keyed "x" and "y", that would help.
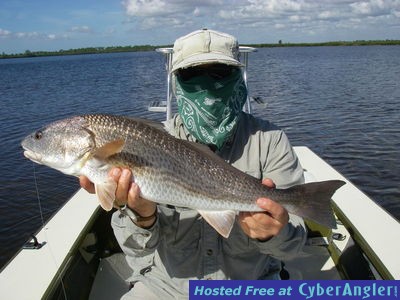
{"x": 81, "y": 29}
{"x": 161, "y": 21}
{"x": 148, "y": 8}
{"x": 154, "y": 8}
{"x": 35, "y": 35}
{"x": 173, "y": 13}
{"x": 30, "y": 35}
{"x": 308, "y": 17}
{"x": 308, "y": 10}
{"x": 376, "y": 7}
{"x": 4, "y": 33}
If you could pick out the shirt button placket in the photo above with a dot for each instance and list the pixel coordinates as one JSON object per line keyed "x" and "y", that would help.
{"x": 210, "y": 246}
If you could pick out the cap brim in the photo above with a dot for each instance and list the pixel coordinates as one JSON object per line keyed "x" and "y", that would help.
{"x": 206, "y": 58}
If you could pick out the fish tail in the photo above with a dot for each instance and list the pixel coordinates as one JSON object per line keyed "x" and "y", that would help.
{"x": 314, "y": 201}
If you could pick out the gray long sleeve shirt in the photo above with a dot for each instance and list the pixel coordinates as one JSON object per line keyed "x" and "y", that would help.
{"x": 182, "y": 246}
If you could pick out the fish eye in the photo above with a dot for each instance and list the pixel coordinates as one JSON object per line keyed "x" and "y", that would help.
{"x": 38, "y": 135}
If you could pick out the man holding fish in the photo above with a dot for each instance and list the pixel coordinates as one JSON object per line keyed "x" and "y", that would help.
{"x": 167, "y": 245}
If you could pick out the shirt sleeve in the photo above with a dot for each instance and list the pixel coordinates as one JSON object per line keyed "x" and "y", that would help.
{"x": 288, "y": 243}
{"x": 280, "y": 161}
{"x": 137, "y": 243}
{"x": 283, "y": 167}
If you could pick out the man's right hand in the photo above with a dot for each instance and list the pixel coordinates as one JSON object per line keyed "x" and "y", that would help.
{"x": 127, "y": 192}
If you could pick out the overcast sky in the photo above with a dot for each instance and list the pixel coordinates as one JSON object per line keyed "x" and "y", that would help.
{"x": 65, "y": 24}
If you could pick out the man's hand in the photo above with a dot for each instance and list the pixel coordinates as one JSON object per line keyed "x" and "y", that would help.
{"x": 87, "y": 184}
{"x": 127, "y": 192}
{"x": 264, "y": 225}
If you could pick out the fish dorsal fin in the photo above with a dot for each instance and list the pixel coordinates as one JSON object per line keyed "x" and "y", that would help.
{"x": 106, "y": 194}
{"x": 169, "y": 127}
{"x": 201, "y": 147}
{"x": 213, "y": 157}
{"x": 205, "y": 151}
{"x": 154, "y": 124}
{"x": 221, "y": 221}
{"x": 109, "y": 149}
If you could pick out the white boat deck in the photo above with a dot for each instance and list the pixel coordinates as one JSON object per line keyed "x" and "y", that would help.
{"x": 31, "y": 272}
{"x": 374, "y": 229}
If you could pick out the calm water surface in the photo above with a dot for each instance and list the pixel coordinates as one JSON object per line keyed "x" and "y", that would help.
{"x": 342, "y": 102}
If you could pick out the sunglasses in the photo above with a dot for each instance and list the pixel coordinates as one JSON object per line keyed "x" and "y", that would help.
{"x": 216, "y": 71}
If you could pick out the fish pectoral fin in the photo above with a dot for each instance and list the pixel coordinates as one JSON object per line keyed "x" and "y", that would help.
{"x": 106, "y": 194}
{"x": 109, "y": 149}
{"x": 221, "y": 221}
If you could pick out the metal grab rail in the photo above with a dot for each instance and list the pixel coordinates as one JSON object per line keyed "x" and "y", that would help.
{"x": 166, "y": 106}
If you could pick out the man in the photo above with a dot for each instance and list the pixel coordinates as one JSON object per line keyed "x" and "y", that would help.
{"x": 166, "y": 246}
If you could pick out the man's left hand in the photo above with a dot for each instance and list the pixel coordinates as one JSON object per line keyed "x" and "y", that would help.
{"x": 267, "y": 224}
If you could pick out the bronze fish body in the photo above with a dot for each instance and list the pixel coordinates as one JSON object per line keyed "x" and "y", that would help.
{"x": 167, "y": 170}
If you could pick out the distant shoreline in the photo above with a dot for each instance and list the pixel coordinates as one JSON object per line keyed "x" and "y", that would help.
{"x": 116, "y": 49}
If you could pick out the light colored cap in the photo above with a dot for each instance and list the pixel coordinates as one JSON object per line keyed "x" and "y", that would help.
{"x": 205, "y": 47}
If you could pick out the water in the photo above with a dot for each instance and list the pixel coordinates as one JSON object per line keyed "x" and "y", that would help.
{"x": 342, "y": 102}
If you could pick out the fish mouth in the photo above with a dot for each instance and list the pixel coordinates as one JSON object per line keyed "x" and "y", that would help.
{"x": 37, "y": 158}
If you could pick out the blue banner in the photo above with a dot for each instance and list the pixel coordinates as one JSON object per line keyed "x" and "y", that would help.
{"x": 294, "y": 289}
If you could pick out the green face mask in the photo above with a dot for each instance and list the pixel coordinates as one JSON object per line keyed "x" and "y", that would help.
{"x": 210, "y": 107}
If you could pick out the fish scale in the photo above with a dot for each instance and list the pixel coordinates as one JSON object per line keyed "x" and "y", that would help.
{"x": 167, "y": 170}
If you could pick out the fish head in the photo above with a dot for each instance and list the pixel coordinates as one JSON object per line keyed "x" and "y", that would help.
{"x": 63, "y": 145}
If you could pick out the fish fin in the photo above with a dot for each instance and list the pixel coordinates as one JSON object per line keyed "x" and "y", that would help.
{"x": 207, "y": 152}
{"x": 213, "y": 157}
{"x": 201, "y": 147}
{"x": 168, "y": 127}
{"x": 109, "y": 149}
{"x": 221, "y": 221}
{"x": 314, "y": 201}
{"x": 155, "y": 124}
{"x": 106, "y": 194}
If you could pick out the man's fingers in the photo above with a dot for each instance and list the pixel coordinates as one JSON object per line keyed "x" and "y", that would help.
{"x": 268, "y": 182}
{"x": 115, "y": 174}
{"x": 134, "y": 192}
{"x": 259, "y": 225}
{"x": 274, "y": 209}
{"x": 86, "y": 184}
{"x": 124, "y": 183}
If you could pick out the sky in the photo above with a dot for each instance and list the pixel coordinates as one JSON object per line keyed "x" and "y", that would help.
{"x": 51, "y": 25}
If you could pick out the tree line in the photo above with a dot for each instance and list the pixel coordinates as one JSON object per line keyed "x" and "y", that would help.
{"x": 113, "y": 49}
{"x": 78, "y": 51}
{"x": 334, "y": 43}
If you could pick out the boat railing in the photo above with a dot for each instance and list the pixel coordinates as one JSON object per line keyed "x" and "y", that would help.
{"x": 166, "y": 106}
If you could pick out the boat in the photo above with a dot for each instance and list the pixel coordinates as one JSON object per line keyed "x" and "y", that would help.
{"x": 81, "y": 259}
